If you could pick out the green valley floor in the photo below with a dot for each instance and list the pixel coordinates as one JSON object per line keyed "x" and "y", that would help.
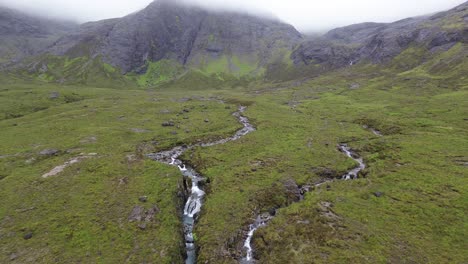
{"x": 408, "y": 206}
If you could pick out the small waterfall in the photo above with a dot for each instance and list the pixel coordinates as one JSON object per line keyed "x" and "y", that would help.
{"x": 352, "y": 174}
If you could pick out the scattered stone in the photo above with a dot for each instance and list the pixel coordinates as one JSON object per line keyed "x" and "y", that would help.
{"x": 143, "y": 199}
{"x": 137, "y": 214}
{"x": 49, "y": 152}
{"x": 28, "y": 236}
{"x": 378, "y": 194}
{"x": 139, "y": 130}
{"x": 151, "y": 213}
{"x": 165, "y": 111}
{"x": 354, "y": 86}
{"x": 207, "y": 120}
{"x": 13, "y": 256}
{"x": 131, "y": 158}
{"x": 168, "y": 124}
{"x": 306, "y": 222}
{"x": 88, "y": 140}
{"x": 142, "y": 226}
{"x": 30, "y": 161}
{"x": 25, "y": 209}
{"x": 123, "y": 181}
{"x": 186, "y": 110}
{"x": 54, "y": 95}
{"x": 62, "y": 167}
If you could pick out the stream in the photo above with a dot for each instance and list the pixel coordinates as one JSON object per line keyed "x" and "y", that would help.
{"x": 263, "y": 219}
{"x": 194, "y": 202}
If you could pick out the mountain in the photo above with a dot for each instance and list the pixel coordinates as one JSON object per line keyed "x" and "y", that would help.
{"x": 173, "y": 43}
{"x": 379, "y": 43}
{"x": 168, "y": 39}
{"x": 25, "y": 35}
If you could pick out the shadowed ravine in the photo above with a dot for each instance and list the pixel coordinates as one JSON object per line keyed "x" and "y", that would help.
{"x": 195, "y": 200}
{"x": 264, "y": 218}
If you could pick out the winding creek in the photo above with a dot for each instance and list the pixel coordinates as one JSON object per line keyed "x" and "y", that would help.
{"x": 194, "y": 202}
{"x": 263, "y": 219}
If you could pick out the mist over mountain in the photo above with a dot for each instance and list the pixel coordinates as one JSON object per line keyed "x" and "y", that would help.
{"x": 168, "y": 39}
{"x": 306, "y": 15}
{"x": 25, "y": 35}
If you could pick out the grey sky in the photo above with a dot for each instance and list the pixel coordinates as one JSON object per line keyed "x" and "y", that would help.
{"x": 306, "y": 15}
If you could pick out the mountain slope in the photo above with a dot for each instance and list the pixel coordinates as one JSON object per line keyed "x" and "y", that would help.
{"x": 380, "y": 43}
{"x": 188, "y": 36}
{"x": 25, "y": 35}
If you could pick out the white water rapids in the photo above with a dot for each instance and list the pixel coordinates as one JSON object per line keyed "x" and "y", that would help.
{"x": 263, "y": 219}
{"x": 194, "y": 203}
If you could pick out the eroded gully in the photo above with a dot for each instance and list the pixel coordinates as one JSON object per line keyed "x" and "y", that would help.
{"x": 194, "y": 202}
{"x": 264, "y": 218}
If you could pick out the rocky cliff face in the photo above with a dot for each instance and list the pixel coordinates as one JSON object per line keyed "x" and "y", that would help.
{"x": 189, "y": 35}
{"x": 24, "y": 35}
{"x": 379, "y": 43}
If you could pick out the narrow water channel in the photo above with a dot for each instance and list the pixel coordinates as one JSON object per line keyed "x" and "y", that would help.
{"x": 262, "y": 220}
{"x": 194, "y": 202}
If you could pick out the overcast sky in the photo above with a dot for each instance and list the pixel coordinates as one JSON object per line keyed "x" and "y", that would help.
{"x": 305, "y": 15}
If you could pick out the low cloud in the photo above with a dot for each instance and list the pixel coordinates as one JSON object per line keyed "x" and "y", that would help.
{"x": 306, "y": 15}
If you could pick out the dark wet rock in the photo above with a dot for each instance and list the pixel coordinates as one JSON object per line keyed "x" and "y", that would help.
{"x": 326, "y": 173}
{"x": 186, "y": 110}
{"x": 207, "y": 120}
{"x": 168, "y": 124}
{"x": 49, "y": 152}
{"x": 272, "y": 211}
{"x": 143, "y": 199}
{"x": 54, "y": 95}
{"x": 28, "y": 236}
{"x": 292, "y": 190}
{"x": 378, "y": 194}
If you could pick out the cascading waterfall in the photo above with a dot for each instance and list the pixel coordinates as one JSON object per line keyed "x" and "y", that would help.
{"x": 263, "y": 219}
{"x": 194, "y": 203}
